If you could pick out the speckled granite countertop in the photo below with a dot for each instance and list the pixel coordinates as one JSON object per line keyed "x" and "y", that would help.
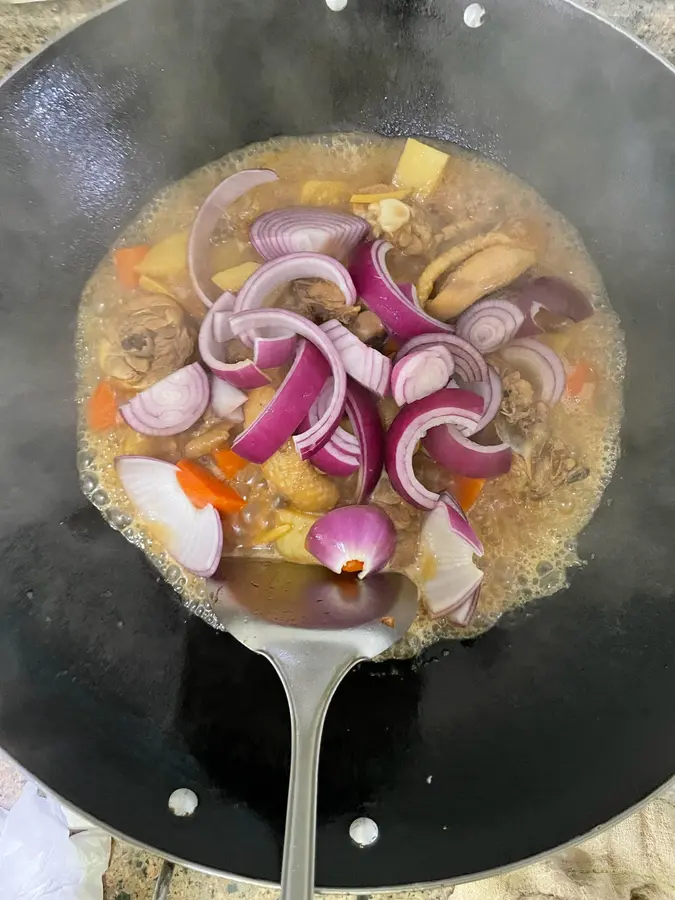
{"x": 26, "y": 28}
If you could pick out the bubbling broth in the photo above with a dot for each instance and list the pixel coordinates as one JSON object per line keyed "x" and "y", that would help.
{"x": 138, "y": 324}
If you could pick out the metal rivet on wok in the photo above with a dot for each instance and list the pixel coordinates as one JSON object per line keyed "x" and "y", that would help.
{"x": 183, "y": 802}
{"x": 474, "y": 15}
{"x": 364, "y": 832}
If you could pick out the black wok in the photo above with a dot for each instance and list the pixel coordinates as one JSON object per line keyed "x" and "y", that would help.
{"x": 110, "y": 692}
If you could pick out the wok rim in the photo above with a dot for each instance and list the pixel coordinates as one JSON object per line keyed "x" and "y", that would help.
{"x": 367, "y": 891}
{"x": 382, "y": 889}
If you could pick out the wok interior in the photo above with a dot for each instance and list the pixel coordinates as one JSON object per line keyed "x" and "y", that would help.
{"x": 547, "y": 726}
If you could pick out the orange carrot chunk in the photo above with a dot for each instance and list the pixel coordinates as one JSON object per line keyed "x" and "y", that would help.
{"x": 202, "y": 488}
{"x": 581, "y": 375}
{"x": 126, "y": 260}
{"x": 466, "y": 490}
{"x": 228, "y": 461}
{"x": 102, "y": 407}
{"x": 353, "y": 565}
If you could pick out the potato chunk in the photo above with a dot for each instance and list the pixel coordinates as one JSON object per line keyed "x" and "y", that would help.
{"x": 419, "y": 168}
{"x": 167, "y": 258}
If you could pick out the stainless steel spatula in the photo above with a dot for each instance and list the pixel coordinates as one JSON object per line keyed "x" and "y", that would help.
{"x": 313, "y": 627}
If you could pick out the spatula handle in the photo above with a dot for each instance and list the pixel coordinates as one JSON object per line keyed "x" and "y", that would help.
{"x": 310, "y": 683}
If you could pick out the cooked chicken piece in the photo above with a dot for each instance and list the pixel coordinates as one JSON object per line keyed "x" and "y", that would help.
{"x": 369, "y": 329}
{"x": 541, "y": 463}
{"x": 555, "y": 467}
{"x": 461, "y": 229}
{"x": 551, "y": 468}
{"x": 214, "y": 436}
{"x": 480, "y": 217}
{"x": 295, "y": 478}
{"x": 145, "y": 340}
{"x": 515, "y": 233}
{"x": 482, "y": 274}
{"x": 319, "y": 301}
{"x": 455, "y": 256}
{"x": 522, "y": 423}
{"x": 389, "y": 215}
{"x": 518, "y": 406}
{"x": 404, "y": 223}
{"x": 135, "y": 444}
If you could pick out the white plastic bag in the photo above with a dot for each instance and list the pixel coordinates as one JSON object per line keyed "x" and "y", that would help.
{"x": 41, "y": 860}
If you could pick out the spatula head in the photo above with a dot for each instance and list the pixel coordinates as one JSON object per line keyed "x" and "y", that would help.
{"x": 257, "y": 599}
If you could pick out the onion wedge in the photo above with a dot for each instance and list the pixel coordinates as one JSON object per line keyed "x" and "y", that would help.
{"x": 170, "y": 406}
{"x": 448, "y": 544}
{"x": 353, "y": 539}
{"x": 194, "y": 537}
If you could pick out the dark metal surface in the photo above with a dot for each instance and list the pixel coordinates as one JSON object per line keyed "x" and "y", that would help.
{"x": 110, "y": 693}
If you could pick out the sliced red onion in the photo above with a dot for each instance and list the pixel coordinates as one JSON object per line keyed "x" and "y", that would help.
{"x": 332, "y": 460}
{"x": 278, "y": 272}
{"x": 396, "y": 309}
{"x": 342, "y": 438}
{"x": 318, "y": 434}
{"x": 214, "y": 333}
{"x": 341, "y": 456}
{"x": 460, "y": 524}
{"x": 363, "y": 534}
{"x": 539, "y": 365}
{"x": 270, "y": 352}
{"x": 210, "y": 213}
{"x": 453, "y": 450}
{"x": 226, "y": 399}
{"x": 469, "y": 364}
{"x": 366, "y": 365}
{"x": 410, "y": 293}
{"x": 170, "y": 406}
{"x": 447, "y": 407}
{"x": 361, "y": 409}
{"x": 194, "y": 537}
{"x": 420, "y": 373}
{"x": 289, "y": 406}
{"x": 305, "y": 229}
{"x": 448, "y": 540}
{"x": 457, "y": 453}
{"x": 558, "y": 297}
{"x": 221, "y": 317}
{"x": 490, "y": 391}
{"x": 489, "y": 324}
{"x": 464, "y": 613}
